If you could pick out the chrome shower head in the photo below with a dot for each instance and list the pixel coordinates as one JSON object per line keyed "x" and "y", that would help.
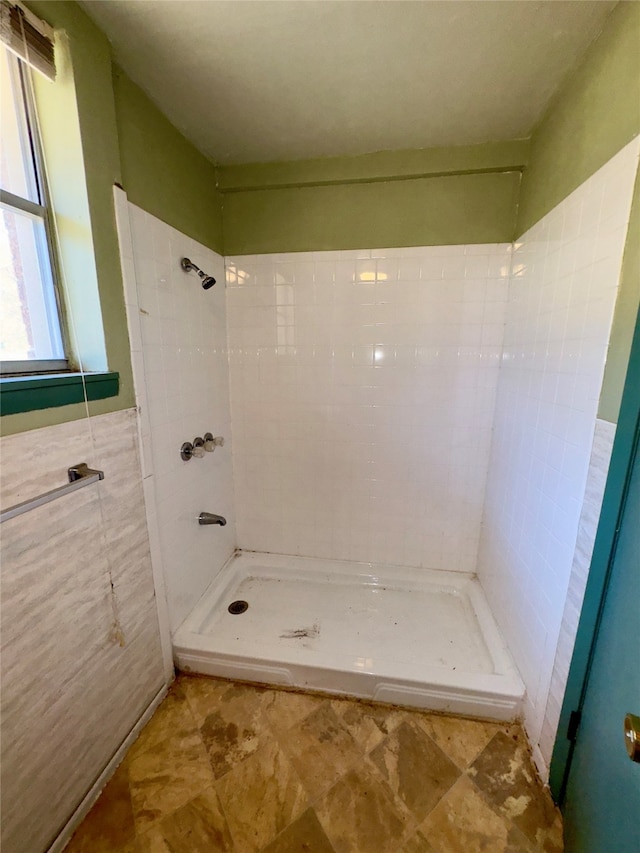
{"x": 207, "y": 280}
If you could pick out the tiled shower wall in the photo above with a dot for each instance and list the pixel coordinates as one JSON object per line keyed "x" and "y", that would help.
{"x": 561, "y": 300}
{"x": 362, "y": 392}
{"x": 178, "y": 340}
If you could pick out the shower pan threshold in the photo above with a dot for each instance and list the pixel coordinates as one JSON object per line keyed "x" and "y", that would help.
{"x": 414, "y": 637}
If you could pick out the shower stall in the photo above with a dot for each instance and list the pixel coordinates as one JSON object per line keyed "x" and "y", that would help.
{"x": 409, "y": 460}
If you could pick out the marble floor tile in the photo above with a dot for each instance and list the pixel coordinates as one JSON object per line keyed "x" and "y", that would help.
{"x": 417, "y": 844}
{"x": 285, "y": 708}
{"x": 463, "y": 820}
{"x": 415, "y": 768}
{"x": 151, "y": 841}
{"x": 367, "y": 724}
{"x": 462, "y": 740}
{"x": 197, "y": 827}
{"x": 234, "y": 768}
{"x": 304, "y": 835}
{"x": 505, "y": 774}
{"x": 234, "y": 730}
{"x": 553, "y": 841}
{"x": 109, "y": 825}
{"x": 203, "y": 695}
{"x": 173, "y": 719}
{"x": 208, "y": 695}
{"x": 359, "y": 814}
{"x": 168, "y": 764}
{"x": 261, "y": 797}
{"x": 321, "y": 749}
{"x": 231, "y": 738}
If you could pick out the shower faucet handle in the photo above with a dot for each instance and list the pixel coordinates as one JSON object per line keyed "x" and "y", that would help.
{"x": 210, "y": 443}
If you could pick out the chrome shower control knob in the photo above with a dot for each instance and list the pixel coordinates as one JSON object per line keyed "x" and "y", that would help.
{"x": 210, "y": 443}
{"x": 198, "y": 447}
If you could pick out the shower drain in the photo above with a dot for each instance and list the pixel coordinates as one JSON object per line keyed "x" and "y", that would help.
{"x": 238, "y": 606}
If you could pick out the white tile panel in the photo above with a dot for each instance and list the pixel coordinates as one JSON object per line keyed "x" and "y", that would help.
{"x": 181, "y": 382}
{"x": 561, "y": 300}
{"x": 362, "y": 391}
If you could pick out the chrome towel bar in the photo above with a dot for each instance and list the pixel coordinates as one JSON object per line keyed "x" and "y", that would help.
{"x": 79, "y": 476}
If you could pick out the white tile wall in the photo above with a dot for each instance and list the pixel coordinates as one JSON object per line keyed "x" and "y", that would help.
{"x": 179, "y": 349}
{"x": 362, "y": 391}
{"x": 561, "y": 301}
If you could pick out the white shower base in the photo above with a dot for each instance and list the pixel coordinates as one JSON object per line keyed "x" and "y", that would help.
{"x": 420, "y": 638}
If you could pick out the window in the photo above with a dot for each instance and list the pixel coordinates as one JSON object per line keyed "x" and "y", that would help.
{"x": 31, "y": 332}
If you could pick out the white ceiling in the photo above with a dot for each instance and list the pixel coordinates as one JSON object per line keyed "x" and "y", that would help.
{"x": 260, "y": 80}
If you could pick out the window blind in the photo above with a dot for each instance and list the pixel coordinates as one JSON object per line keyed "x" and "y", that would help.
{"x": 28, "y": 37}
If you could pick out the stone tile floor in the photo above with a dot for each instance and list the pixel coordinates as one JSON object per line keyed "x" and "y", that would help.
{"x": 224, "y": 766}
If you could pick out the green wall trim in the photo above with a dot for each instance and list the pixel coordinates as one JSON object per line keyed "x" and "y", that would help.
{"x": 456, "y": 209}
{"x": 162, "y": 172}
{"x": 594, "y": 114}
{"x": 380, "y": 166}
{"x": 27, "y": 393}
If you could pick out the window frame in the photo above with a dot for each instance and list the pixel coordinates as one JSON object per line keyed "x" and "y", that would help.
{"x": 43, "y": 212}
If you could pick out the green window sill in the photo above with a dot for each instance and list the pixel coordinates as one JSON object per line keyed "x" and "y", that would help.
{"x": 28, "y": 393}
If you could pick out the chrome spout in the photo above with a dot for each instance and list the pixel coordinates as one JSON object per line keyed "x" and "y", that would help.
{"x": 210, "y": 518}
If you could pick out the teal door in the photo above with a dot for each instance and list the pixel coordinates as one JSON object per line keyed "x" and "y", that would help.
{"x": 602, "y": 801}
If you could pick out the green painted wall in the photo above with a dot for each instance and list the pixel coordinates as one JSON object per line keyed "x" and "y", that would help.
{"x": 401, "y": 198}
{"x": 161, "y": 171}
{"x": 380, "y": 166}
{"x": 435, "y": 196}
{"x": 91, "y": 60}
{"x": 593, "y": 116}
{"x": 124, "y": 140}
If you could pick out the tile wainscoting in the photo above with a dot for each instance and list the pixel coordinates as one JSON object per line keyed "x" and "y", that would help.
{"x": 81, "y": 652}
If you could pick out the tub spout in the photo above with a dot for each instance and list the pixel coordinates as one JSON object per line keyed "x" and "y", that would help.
{"x": 210, "y": 518}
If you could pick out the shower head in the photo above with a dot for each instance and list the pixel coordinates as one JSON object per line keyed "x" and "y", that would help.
{"x": 207, "y": 280}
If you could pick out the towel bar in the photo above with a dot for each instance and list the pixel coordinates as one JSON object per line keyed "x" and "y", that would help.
{"x": 79, "y": 476}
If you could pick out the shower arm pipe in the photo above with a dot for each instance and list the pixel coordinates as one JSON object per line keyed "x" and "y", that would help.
{"x": 207, "y": 280}
{"x": 79, "y": 476}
